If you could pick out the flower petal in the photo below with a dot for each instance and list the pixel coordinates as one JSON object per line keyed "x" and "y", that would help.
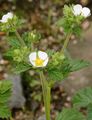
{"x": 42, "y": 55}
{"x": 4, "y": 18}
{"x": 32, "y": 56}
{"x": 45, "y": 62}
{"x": 77, "y": 9}
{"x": 86, "y": 12}
{"x": 10, "y": 15}
{"x": 7, "y": 16}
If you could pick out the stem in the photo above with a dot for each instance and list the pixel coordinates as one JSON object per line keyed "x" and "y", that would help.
{"x": 66, "y": 42}
{"x": 46, "y": 95}
{"x": 11, "y": 118}
{"x": 20, "y": 39}
{"x": 32, "y": 47}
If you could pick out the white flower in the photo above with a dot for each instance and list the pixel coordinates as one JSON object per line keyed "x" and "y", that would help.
{"x": 6, "y": 17}
{"x": 86, "y": 12}
{"x": 38, "y": 59}
{"x": 79, "y": 10}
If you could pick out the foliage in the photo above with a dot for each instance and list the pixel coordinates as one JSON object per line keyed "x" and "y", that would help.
{"x": 89, "y": 112}
{"x": 70, "y": 114}
{"x": 61, "y": 66}
{"x": 5, "y": 93}
{"x": 83, "y": 97}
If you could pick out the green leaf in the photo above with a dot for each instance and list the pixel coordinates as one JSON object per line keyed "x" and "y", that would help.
{"x": 78, "y": 64}
{"x": 5, "y": 90}
{"x": 21, "y": 67}
{"x": 5, "y": 93}
{"x": 70, "y": 114}
{"x": 55, "y": 74}
{"x": 9, "y": 54}
{"x": 89, "y": 112}
{"x": 4, "y": 112}
{"x": 14, "y": 42}
{"x": 83, "y": 97}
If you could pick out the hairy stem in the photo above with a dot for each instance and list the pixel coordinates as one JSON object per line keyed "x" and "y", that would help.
{"x": 46, "y": 95}
{"x": 66, "y": 42}
{"x": 20, "y": 38}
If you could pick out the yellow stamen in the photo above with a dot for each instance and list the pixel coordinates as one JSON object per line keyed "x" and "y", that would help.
{"x": 39, "y": 62}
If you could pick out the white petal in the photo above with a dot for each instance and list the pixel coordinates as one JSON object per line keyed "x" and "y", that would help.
{"x": 45, "y": 62}
{"x": 7, "y": 16}
{"x": 10, "y": 15}
{"x": 86, "y": 12}
{"x": 4, "y": 18}
{"x": 32, "y": 58}
{"x": 77, "y": 9}
{"x": 42, "y": 55}
{"x": 33, "y": 63}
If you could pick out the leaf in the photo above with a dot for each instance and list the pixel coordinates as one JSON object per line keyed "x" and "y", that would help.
{"x": 14, "y": 42}
{"x": 5, "y": 112}
{"x": 70, "y": 114}
{"x": 5, "y": 90}
{"x": 78, "y": 64}
{"x": 5, "y": 93}
{"x": 89, "y": 112}
{"x": 60, "y": 22}
{"x": 83, "y": 97}
{"x": 55, "y": 75}
{"x": 21, "y": 67}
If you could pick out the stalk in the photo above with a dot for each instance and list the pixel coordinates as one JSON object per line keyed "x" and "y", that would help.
{"x": 66, "y": 42}
{"x": 20, "y": 39}
{"x": 46, "y": 94}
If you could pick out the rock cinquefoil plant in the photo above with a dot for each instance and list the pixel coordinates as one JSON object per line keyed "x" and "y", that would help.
{"x": 51, "y": 66}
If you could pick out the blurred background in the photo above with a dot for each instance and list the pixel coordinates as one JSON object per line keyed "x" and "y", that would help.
{"x": 26, "y": 99}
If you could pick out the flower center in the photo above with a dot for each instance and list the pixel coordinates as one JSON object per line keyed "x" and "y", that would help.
{"x": 39, "y": 62}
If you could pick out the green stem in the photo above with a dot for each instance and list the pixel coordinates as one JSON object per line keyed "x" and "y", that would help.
{"x": 11, "y": 118}
{"x": 18, "y": 36}
{"x": 66, "y": 42}
{"x": 46, "y": 95}
{"x": 20, "y": 39}
{"x": 32, "y": 47}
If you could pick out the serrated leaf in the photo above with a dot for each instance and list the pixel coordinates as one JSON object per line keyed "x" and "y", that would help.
{"x": 21, "y": 67}
{"x": 70, "y": 114}
{"x": 83, "y": 97}
{"x": 89, "y": 112}
{"x": 5, "y": 112}
{"x": 78, "y": 64}
{"x": 55, "y": 75}
{"x": 14, "y": 42}
{"x": 5, "y": 93}
{"x": 60, "y": 22}
{"x": 5, "y": 90}
{"x": 9, "y": 53}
